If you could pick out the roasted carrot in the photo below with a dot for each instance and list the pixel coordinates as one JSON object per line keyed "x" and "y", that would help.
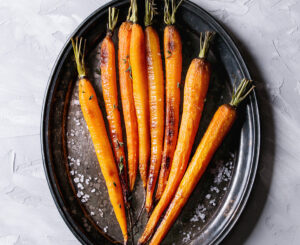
{"x": 95, "y": 123}
{"x": 137, "y": 59}
{"x": 126, "y": 90}
{"x": 156, "y": 101}
{"x": 195, "y": 89}
{"x": 110, "y": 95}
{"x": 213, "y": 137}
{"x": 173, "y": 68}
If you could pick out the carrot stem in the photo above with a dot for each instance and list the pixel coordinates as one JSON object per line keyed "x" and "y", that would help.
{"x": 204, "y": 45}
{"x": 113, "y": 15}
{"x": 169, "y": 16}
{"x": 79, "y": 56}
{"x": 133, "y": 11}
{"x": 241, "y": 92}
{"x": 150, "y": 11}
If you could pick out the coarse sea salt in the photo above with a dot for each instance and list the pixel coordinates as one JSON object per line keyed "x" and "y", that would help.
{"x": 208, "y": 196}
{"x": 80, "y": 186}
{"x": 187, "y": 236}
{"x": 214, "y": 188}
{"x": 105, "y": 229}
{"x": 199, "y": 214}
{"x": 101, "y": 213}
{"x": 213, "y": 202}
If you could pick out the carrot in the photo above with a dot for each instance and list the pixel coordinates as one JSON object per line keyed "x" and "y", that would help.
{"x": 213, "y": 137}
{"x": 110, "y": 95}
{"x": 173, "y": 68}
{"x": 140, "y": 91}
{"x": 126, "y": 90}
{"x": 195, "y": 89}
{"x": 156, "y": 101}
{"x": 94, "y": 120}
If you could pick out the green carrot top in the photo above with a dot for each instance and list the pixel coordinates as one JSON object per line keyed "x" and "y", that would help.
{"x": 169, "y": 15}
{"x": 113, "y": 15}
{"x": 150, "y": 11}
{"x": 241, "y": 92}
{"x": 79, "y": 55}
{"x": 204, "y": 45}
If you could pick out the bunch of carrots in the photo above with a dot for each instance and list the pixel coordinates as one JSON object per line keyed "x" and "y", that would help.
{"x": 156, "y": 145}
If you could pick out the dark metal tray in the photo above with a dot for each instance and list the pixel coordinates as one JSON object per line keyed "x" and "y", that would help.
{"x": 71, "y": 166}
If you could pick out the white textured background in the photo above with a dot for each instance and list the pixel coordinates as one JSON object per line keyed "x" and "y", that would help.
{"x": 31, "y": 35}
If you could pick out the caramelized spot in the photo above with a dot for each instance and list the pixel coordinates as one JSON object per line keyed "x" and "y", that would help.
{"x": 170, "y": 132}
{"x": 114, "y": 137}
{"x": 104, "y": 55}
{"x": 167, "y": 162}
{"x": 171, "y": 115}
{"x": 90, "y": 112}
{"x": 171, "y": 43}
{"x": 150, "y": 183}
{"x": 153, "y": 124}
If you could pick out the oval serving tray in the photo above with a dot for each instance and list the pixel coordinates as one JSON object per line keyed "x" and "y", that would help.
{"x": 70, "y": 163}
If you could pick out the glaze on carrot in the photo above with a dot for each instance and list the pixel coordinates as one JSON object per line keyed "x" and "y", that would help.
{"x": 110, "y": 95}
{"x": 95, "y": 123}
{"x": 156, "y": 101}
{"x": 126, "y": 90}
{"x": 195, "y": 89}
{"x": 173, "y": 68}
{"x": 137, "y": 59}
{"x": 213, "y": 137}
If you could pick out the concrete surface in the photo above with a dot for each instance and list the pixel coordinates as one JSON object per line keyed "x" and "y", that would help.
{"x": 32, "y": 34}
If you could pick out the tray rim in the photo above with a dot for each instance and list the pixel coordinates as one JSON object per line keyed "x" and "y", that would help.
{"x": 45, "y": 122}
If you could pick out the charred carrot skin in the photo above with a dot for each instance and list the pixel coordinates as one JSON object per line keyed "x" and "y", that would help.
{"x": 195, "y": 89}
{"x": 140, "y": 92}
{"x": 217, "y": 130}
{"x": 110, "y": 95}
{"x": 196, "y": 85}
{"x": 128, "y": 106}
{"x": 173, "y": 68}
{"x": 94, "y": 120}
{"x": 156, "y": 103}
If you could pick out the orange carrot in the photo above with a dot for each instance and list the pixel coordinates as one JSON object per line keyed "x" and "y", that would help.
{"x": 110, "y": 95}
{"x": 156, "y": 101}
{"x": 126, "y": 89}
{"x": 213, "y": 137}
{"x": 94, "y": 120}
{"x": 195, "y": 89}
{"x": 140, "y": 91}
{"x": 173, "y": 68}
